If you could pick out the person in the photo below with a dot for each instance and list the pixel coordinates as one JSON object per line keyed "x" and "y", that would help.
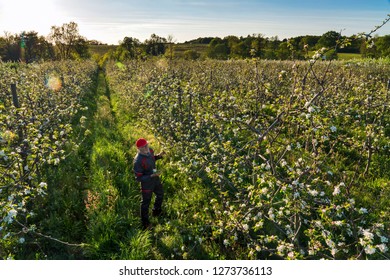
{"x": 146, "y": 173}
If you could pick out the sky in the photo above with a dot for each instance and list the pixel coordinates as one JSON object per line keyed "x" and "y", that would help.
{"x": 109, "y": 21}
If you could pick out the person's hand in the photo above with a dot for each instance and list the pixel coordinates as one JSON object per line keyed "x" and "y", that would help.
{"x": 163, "y": 153}
{"x": 155, "y": 175}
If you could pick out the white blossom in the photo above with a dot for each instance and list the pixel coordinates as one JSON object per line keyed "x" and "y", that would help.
{"x": 11, "y": 215}
{"x": 338, "y": 223}
{"x": 264, "y": 190}
{"x": 369, "y": 250}
{"x": 334, "y": 251}
{"x": 330, "y": 243}
{"x": 368, "y": 235}
{"x": 313, "y": 192}
{"x": 83, "y": 119}
{"x": 336, "y": 190}
{"x": 363, "y": 211}
{"x": 281, "y": 248}
{"x": 382, "y": 247}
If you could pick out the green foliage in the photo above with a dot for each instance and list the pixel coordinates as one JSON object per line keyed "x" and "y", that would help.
{"x": 191, "y": 55}
{"x": 139, "y": 247}
{"x": 155, "y": 45}
{"x": 328, "y": 40}
{"x": 68, "y": 42}
{"x": 131, "y": 45}
{"x": 26, "y": 46}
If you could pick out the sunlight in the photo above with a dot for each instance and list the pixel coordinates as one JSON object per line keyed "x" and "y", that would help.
{"x": 26, "y": 15}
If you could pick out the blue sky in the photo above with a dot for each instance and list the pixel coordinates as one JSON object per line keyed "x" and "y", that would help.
{"x": 110, "y": 21}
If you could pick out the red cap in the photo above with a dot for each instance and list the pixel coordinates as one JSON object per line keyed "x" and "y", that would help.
{"x": 141, "y": 142}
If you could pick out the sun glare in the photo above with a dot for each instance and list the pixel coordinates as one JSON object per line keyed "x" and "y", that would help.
{"x": 27, "y": 15}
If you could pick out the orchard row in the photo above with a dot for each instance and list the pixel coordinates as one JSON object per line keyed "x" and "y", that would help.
{"x": 40, "y": 104}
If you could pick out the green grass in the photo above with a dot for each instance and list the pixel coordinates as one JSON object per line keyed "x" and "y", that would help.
{"x": 180, "y": 49}
{"x": 341, "y": 56}
{"x": 101, "y": 49}
{"x": 349, "y": 56}
{"x": 112, "y": 192}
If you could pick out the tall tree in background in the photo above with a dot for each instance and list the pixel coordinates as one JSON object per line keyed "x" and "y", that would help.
{"x": 131, "y": 45}
{"x": 67, "y": 40}
{"x": 26, "y": 46}
{"x": 171, "y": 41}
{"x": 9, "y": 47}
{"x": 218, "y": 49}
{"x": 383, "y": 46}
{"x": 36, "y": 47}
{"x": 155, "y": 45}
{"x": 328, "y": 39}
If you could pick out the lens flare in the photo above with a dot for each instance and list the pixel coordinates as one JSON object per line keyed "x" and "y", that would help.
{"x": 53, "y": 83}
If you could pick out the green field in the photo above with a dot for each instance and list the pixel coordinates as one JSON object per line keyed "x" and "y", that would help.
{"x": 349, "y": 56}
{"x": 180, "y": 49}
{"x": 101, "y": 49}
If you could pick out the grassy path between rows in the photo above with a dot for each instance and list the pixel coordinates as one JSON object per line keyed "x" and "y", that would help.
{"x": 112, "y": 199}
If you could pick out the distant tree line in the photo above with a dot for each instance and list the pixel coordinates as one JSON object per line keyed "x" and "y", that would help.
{"x": 65, "y": 42}
{"x": 300, "y": 47}
{"x": 256, "y": 45}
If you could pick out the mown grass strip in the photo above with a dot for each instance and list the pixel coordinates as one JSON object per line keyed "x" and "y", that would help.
{"x": 113, "y": 227}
